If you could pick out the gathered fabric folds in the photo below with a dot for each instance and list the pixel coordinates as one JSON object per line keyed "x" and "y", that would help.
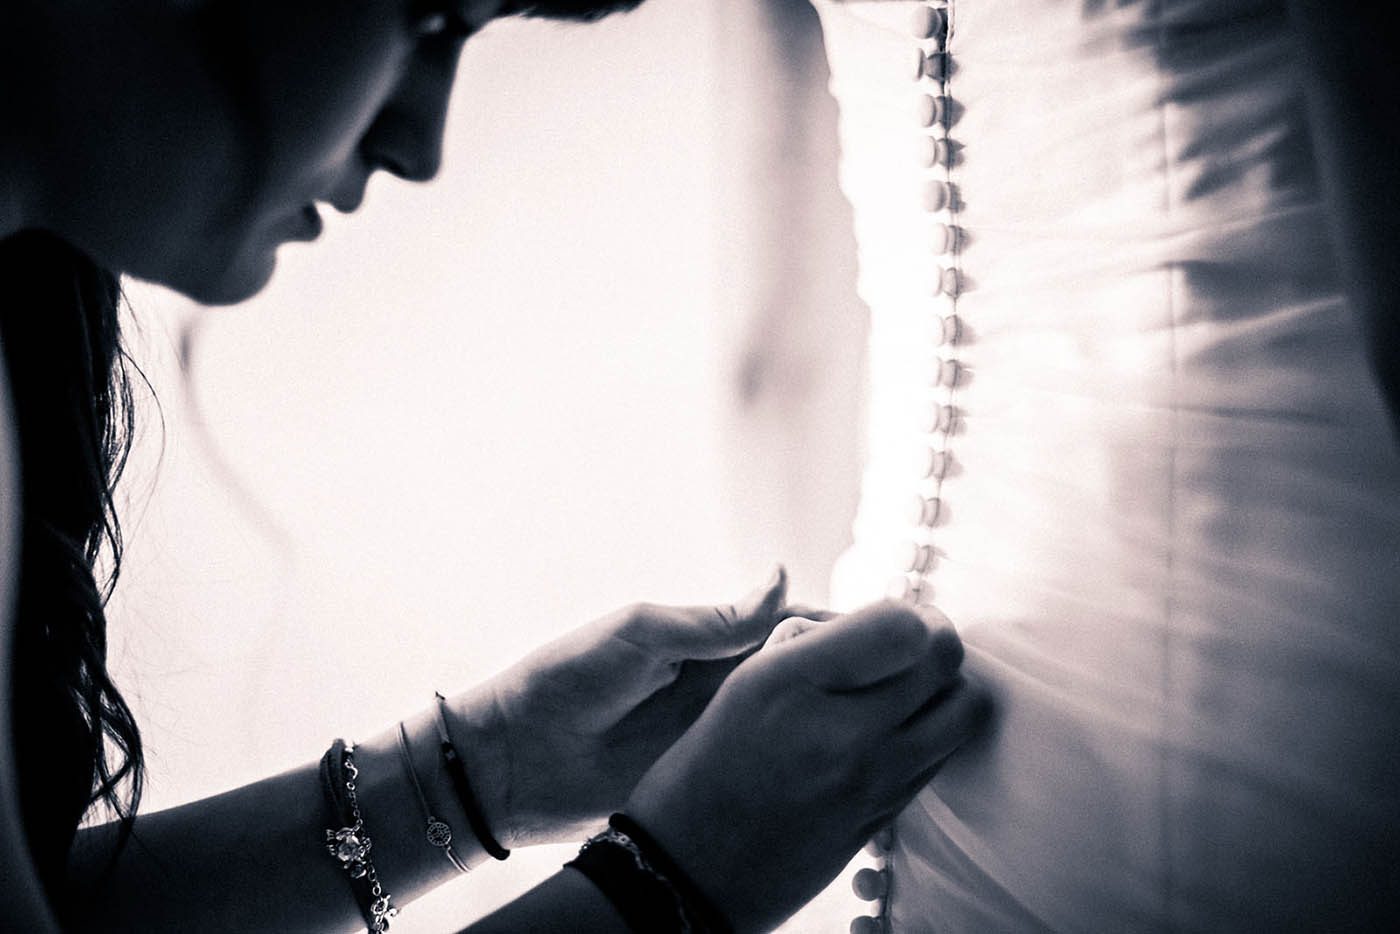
{"x": 1123, "y": 432}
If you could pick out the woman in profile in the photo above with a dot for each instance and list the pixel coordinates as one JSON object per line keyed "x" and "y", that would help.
{"x": 183, "y": 142}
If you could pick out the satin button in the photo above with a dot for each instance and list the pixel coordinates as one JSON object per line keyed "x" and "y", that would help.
{"x": 940, "y": 109}
{"x": 952, "y": 282}
{"x": 941, "y": 239}
{"x": 869, "y": 884}
{"x": 942, "y": 152}
{"x": 935, "y": 66}
{"x": 927, "y": 22}
{"x": 928, "y": 110}
{"x": 938, "y": 331}
{"x": 948, "y": 373}
{"x": 926, "y": 463}
{"x": 935, "y": 281}
{"x": 920, "y": 559}
{"x": 919, "y": 64}
{"x": 867, "y": 924}
{"x": 939, "y": 419}
{"x": 935, "y": 196}
{"x": 906, "y": 555}
{"x": 927, "y": 152}
{"x": 935, "y": 464}
{"x": 924, "y": 510}
{"x": 951, "y": 329}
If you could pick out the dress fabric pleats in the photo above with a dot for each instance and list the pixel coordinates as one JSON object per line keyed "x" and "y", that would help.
{"x": 1122, "y": 431}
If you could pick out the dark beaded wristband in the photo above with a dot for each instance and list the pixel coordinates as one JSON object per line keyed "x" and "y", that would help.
{"x": 346, "y": 838}
{"x": 644, "y": 884}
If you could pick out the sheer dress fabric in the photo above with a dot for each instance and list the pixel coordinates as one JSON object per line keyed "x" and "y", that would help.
{"x": 1168, "y": 521}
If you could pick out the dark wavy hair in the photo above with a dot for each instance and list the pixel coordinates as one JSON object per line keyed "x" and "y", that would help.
{"x": 76, "y": 741}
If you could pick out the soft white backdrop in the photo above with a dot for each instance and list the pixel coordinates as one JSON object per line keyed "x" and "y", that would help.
{"x": 475, "y": 414}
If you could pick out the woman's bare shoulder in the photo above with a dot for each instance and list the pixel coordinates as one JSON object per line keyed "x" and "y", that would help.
{"x": 25, "y": 907}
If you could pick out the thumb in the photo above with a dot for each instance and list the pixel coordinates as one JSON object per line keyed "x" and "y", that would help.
{"x": 868, "y": 646}
{"x": 760, "y": 606}
{"x": 723, "y": 630}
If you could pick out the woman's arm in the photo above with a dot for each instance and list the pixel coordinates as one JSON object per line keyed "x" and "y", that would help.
{"x": 552, "y": 745}
{"x": 803, "y": 750}
{"x": 565, "y": 903}
{"x": 255, "y": 858}
{"x": 1348, "y": 49}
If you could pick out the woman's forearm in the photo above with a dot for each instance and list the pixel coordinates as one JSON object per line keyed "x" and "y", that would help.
{"x": 255, "y": 858}
{"x": 565, "y": 903}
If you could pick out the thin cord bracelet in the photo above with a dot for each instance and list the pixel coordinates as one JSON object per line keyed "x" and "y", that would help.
{"x": 702, "y": 910}
{"x": 632, "y": 873}
{"x": 349, "y": 844}
{"x": 458, "y": 773}
{"x": 438, "y": 832}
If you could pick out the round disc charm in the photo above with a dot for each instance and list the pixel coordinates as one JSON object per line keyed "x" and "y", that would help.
{"x": 439, "y": 833}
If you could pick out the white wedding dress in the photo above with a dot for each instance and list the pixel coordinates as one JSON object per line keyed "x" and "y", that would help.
{"x": 1145, "y": 468}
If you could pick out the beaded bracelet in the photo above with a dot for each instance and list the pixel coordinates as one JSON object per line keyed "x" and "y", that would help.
{"x": 349, "y": 843}
{"x": 458, "y": 773}
{"x": 648, "y": 889}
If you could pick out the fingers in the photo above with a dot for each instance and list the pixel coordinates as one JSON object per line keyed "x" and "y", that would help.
{"x": 798, "y": 618}
{"x": 935, "y": 732}
{"x": 864, "y": 647}
{"x": 710, "y": 632}
{"x": 810, "y": 612}
{"x": 762, "y": 602}
{"x": 790, "y": 628}
{"x": 904, "y": 695}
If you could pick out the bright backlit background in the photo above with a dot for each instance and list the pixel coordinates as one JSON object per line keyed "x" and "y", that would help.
{"x": 611, "y": 354}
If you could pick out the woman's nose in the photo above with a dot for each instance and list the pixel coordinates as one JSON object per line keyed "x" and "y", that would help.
{"x": 406, "y": 137}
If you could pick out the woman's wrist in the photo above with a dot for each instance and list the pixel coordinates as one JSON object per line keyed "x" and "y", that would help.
{"x": 408, "y": 863}
{"x": 484, "y": 783}
{"x": 410, "y": 858}
{"x": 650, "y": 890}
{"x": 522, "y": 807}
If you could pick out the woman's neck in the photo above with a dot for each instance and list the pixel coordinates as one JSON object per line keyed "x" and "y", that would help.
{"x": 11, "y": 214}
{"x": 13, "y": 128}
{"x": 11, "y": 201}
{"x": 20, "y": 113}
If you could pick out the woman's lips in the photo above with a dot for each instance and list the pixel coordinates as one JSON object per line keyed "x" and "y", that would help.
{"x": 310, "y": 225}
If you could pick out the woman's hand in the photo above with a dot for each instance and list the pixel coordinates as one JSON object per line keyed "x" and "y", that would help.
{"x": 808, "y": 748}
{"x": 562, "y": 736}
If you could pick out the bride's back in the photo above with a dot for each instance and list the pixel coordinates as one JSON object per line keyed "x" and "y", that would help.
{"x": 1166, "y": 510}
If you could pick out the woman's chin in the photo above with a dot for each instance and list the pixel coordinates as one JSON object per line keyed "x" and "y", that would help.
{"x": 228, "y": 285}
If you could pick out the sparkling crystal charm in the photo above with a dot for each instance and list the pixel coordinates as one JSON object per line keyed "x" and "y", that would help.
{"x": 347, "y": 845}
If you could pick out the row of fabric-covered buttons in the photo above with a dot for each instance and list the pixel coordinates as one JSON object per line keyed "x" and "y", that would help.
{"x": 936, "y": 152}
